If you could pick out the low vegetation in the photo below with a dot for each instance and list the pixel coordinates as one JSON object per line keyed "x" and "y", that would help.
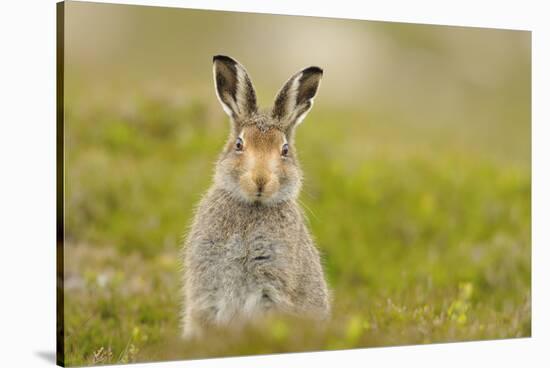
{"x": 425, "y": 234}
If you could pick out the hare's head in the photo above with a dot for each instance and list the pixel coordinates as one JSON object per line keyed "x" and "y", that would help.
{"x": 259, "y": 163}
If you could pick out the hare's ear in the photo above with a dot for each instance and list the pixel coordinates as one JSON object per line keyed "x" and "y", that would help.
{"x": 295, "y": 99}
{"x": 234, "y": 88}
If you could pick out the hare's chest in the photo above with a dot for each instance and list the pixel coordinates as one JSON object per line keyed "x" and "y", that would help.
{"x": 252, "y": 249}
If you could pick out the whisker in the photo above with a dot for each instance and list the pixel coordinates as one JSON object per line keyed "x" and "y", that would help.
{"x": 309, "y": 210}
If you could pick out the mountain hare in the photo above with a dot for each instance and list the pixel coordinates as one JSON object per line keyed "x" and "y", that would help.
{"x": 249, "y": 252}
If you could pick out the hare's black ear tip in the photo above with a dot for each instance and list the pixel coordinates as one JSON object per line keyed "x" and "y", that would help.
{"x": 223, "y": 59}
{"x": 313, "y": 70}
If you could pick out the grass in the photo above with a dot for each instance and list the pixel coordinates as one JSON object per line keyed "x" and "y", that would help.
{"x": 425, "y": 236}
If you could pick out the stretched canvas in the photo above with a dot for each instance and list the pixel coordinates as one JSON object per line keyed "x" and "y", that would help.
{"x": 237, "y": 184}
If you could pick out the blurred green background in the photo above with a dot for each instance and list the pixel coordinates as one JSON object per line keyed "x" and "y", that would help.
{"x": 417, "y": 163}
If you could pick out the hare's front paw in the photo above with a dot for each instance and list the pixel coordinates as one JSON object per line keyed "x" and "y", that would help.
{"x": 191, "y": 332}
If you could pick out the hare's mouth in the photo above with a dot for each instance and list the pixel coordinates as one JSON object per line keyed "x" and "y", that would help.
{"x": 252, "y": 193}
{"x": 260, "y": 198}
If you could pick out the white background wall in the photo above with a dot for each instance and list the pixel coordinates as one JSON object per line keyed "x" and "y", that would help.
{"x": 27, "y": 180}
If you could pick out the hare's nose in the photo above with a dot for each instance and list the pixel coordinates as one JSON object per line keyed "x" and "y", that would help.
{"x": 260, "y": 181}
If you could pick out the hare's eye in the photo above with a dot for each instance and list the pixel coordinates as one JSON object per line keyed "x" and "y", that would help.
{"x": 239, "y": 145}
{"x": 284, "y": 150}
